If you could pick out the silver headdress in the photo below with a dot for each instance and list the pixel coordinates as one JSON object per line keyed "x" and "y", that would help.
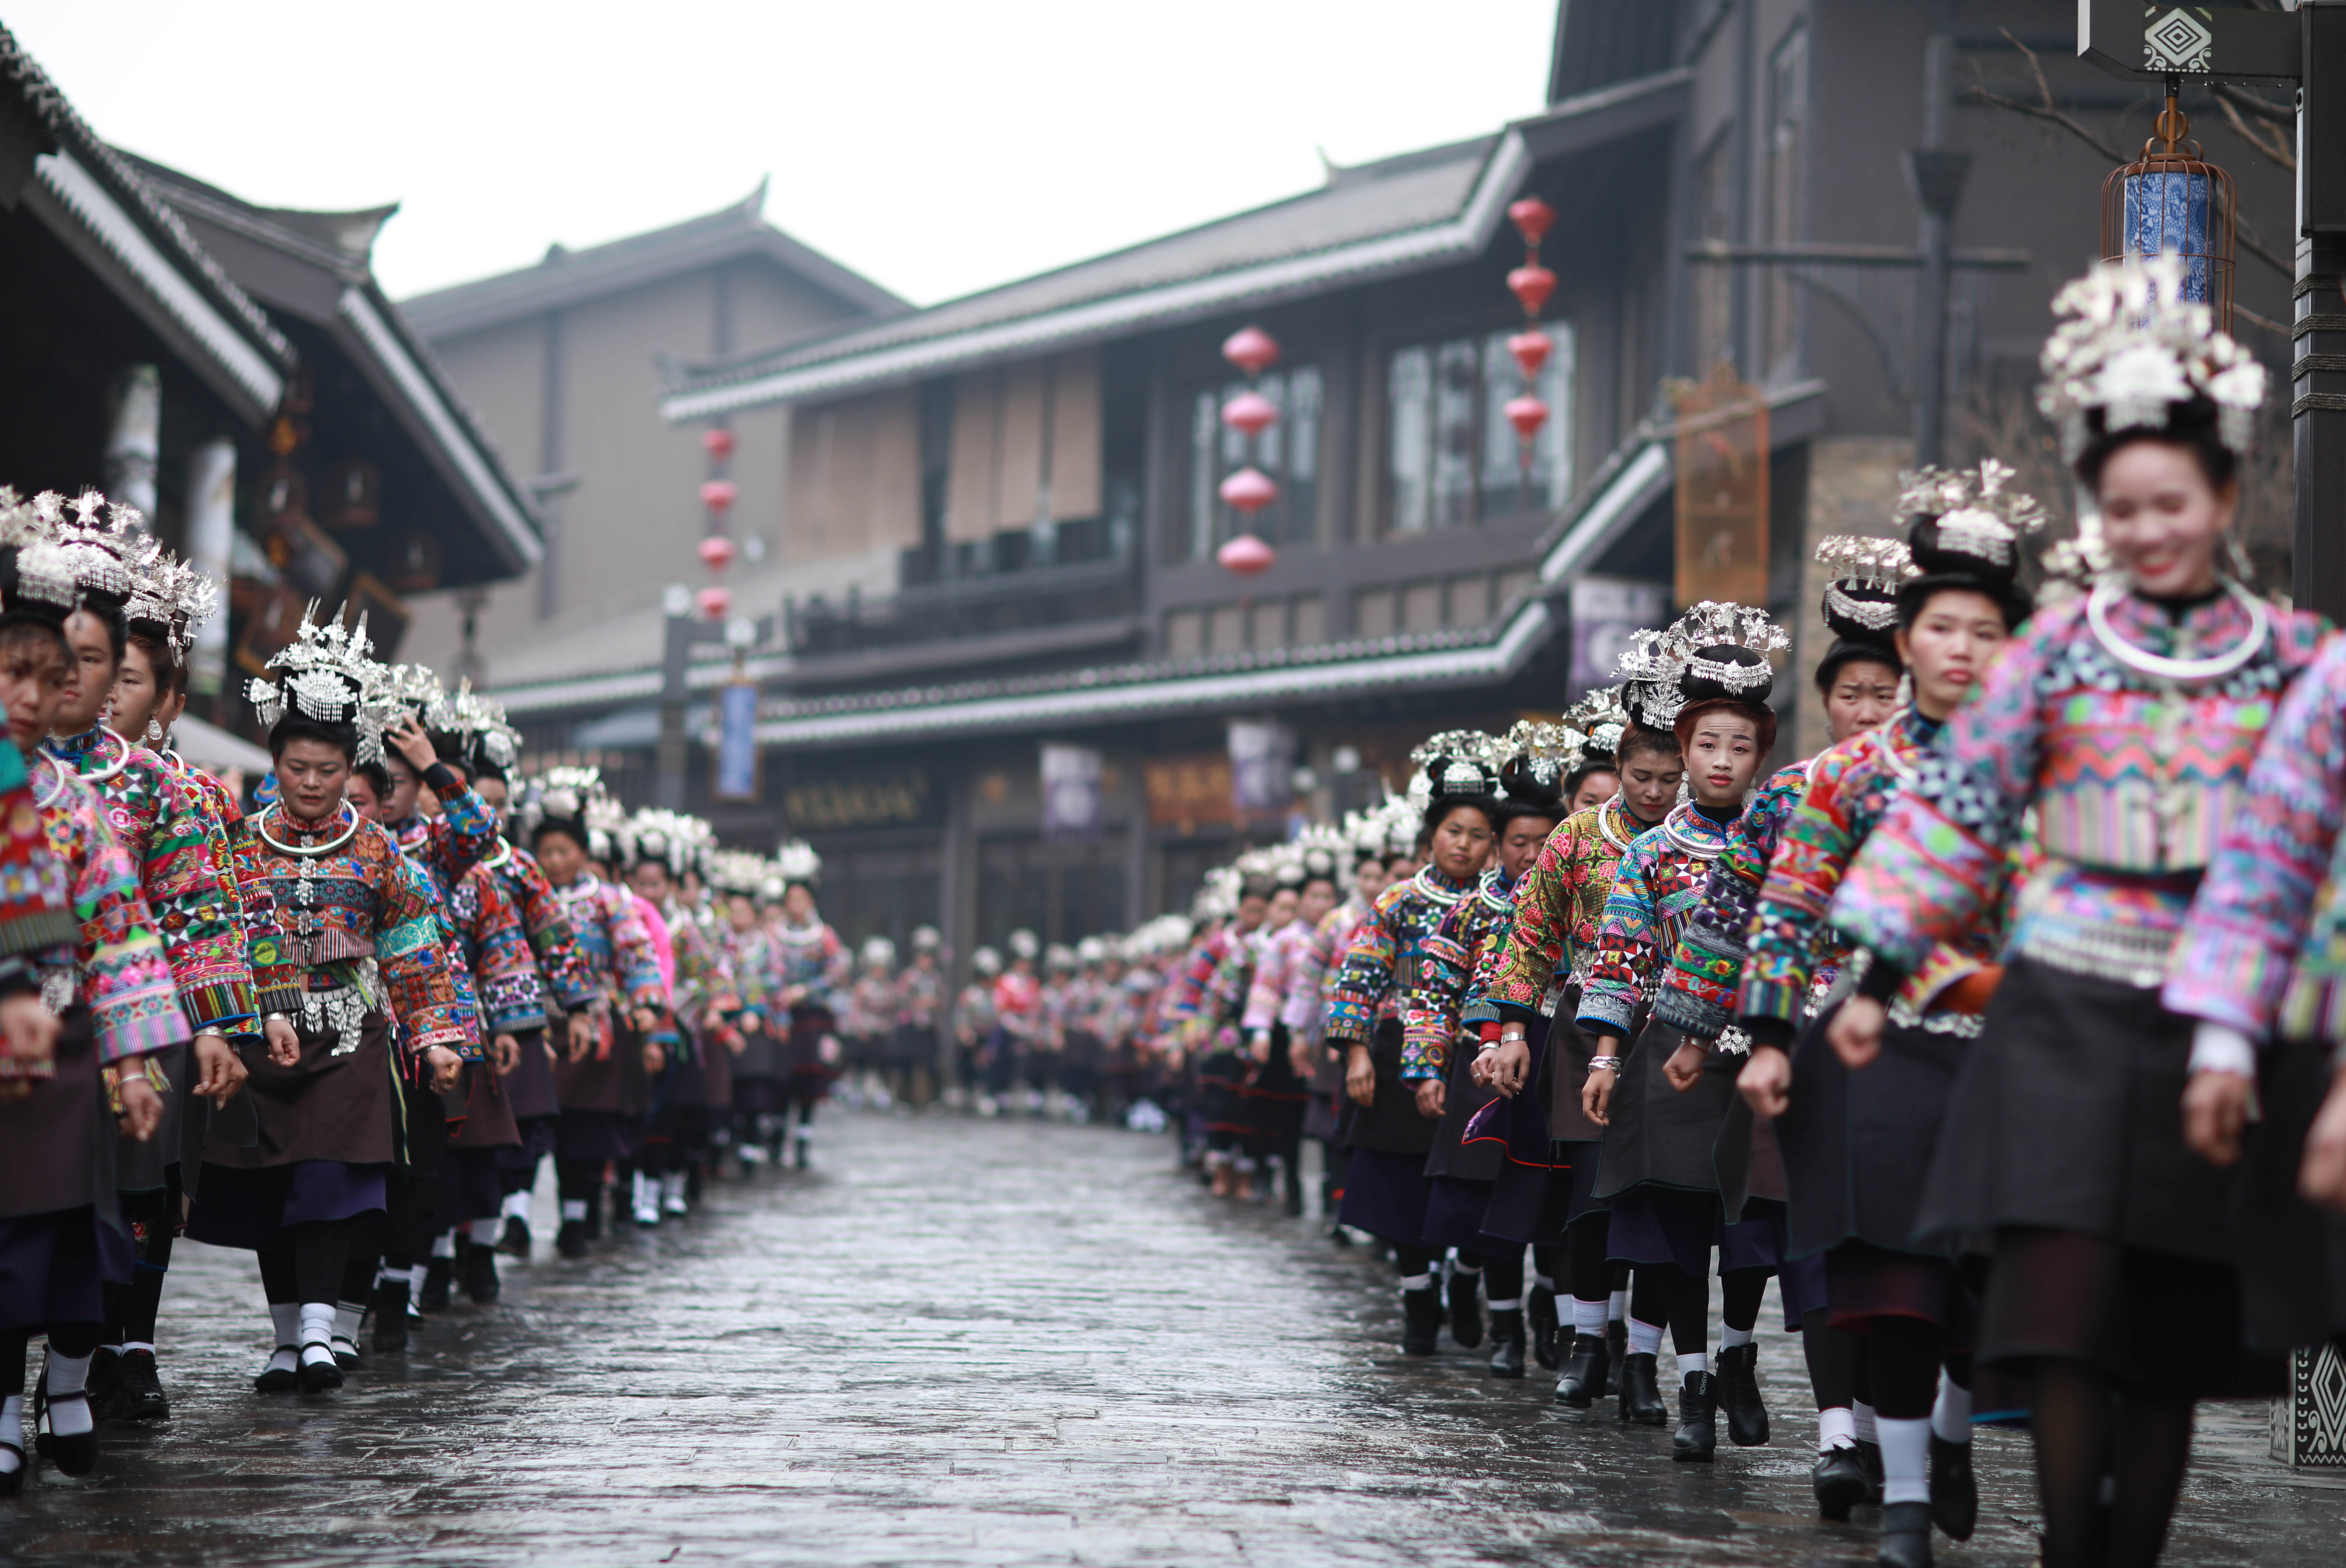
{"x": 1707, "y": 639}
{"x": 565, "y": 795}
{"x": 170, "y": 594}
{"x": 1971, "y": 516}
{"x": 1649, "y": 668}
{"x": 44, "y": 572}
{"x": 1861, "y": 599}
{"x": 796, "y": 861}
{"x": 1456, "y": 762}
{"x": 1601, "y": 720}
{"x": 2132, "y": 347}
{"x": 738, "y": 870}
{"x": 1320, "y": 850}
{"x": 477, "y": 725}
{"x": 1548, "y": 752}
{"x": 327, "y": 677}
{"x": 100, "y": 540}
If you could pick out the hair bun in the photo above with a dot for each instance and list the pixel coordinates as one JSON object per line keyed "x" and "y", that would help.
{"x": 1450, "y": 775}
{"x": 1532, "y": 778}
{"x": 1727, "y": 672}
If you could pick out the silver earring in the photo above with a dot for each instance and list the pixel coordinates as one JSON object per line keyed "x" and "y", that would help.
{"x": 154, "y": 732}
{"x": 1906, "y": 689}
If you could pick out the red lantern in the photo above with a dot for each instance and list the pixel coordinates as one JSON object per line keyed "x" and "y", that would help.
{"x": 1530, "y": 351}
{"x": 718, "y": 442}
{"x": 718, "y": 494}
{"x": 1532, "y": 218}
{"x": 1250, "y": 490}
{"x": 1249, "y": 413}
{"x": 717, "y": 551}
{"x": 1250, "y": 349}
{"x": 1532, "y": 283}
{"x": 1246, "y": 555}
{"x": 1526, "y": 415}
{"x": 713, "y": 602}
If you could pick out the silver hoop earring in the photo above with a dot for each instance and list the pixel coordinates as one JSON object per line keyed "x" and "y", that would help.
{"x": 154, "y": 732}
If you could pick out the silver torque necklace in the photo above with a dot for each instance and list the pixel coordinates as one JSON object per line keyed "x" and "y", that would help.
{"x": 304, "y": 852}
{"x": 2097, "y": 616}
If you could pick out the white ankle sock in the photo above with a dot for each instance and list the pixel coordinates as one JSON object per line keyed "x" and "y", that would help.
{"x": 416, "y": 1280}
{"x": 1867, "y": 1428}
{"x": 1645, "y": 1339}
{"x": 1735, "y": 1339}
{"x": 1906, "y": 1460}
{"x": 130, "y": 1345}
{"x": 574, "y": 1211}
{"x": 484, "y": 1231}
{"x": 317, "y": 1323}
{"x": 1617, "y": 1308}
{"x": 1836, "y": 1428}
{"x": 346, "y": 1321}
{"x": 1950, "y": 1417}
{"x": 12, "y": 1430}
{"x": 517, "y": 1206}
{"x": 1542, "y": 1282}
{"x": 1513, "y": 1305}
{"x": 1693, "y": 1363}
{"x": 285, "y": 1316}
{"x": 445, "y": 1244}
{"x": 68, "y": 1376}
{"x": 1417, "y": 1282}
{"x": 1588, "y": 1317}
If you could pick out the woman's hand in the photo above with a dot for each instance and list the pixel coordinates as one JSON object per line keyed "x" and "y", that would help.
{"x": 218, "y": 1074}
{"x": 1361, "y": 1077}
{"x": 505, "y": 1053}
{"x": 284, "y": 1043}
{"x": 31, "y": 1028}
{"x": 1431, "y": 1093}
{"x": 1855, "y": 1032}
{"x": 1597, "y": 1095}
{"x": 1684, "y": 1068}
{"x": 1511, "y": 1065}
{"x": 2215, "y": 1109}
{"x": 581, "y": 1028}
{"x": 446, "y": 1067}
{"x": 1299, "y": 1057}
{"x": 1767, "y": 1081}
{"x": 413, "y": 743}
{"x": 2322, "y": 1178}
{"x": 1259, "y": 1045}
{"x": 142, "y": 1107}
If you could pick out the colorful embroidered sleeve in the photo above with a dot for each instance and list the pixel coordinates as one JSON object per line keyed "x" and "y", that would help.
{"x": 189, "y": 881}
{"x": 704, "y": 975}
{"x": 1936, "y": 865}
{"x": 504, "y": 970}
{"x": 458, "y": 838}
{"x": 1438, "y": 988}
{"x": 1274, "y": 966}
{"x": 1699, "y": 985}
{"x": 1625, "y": 945}
{"x": 1538, "y": 952}
{"x": 631, "y": 949}
{"x": 561, "y": 963}
{"x": 1305, "y": 1006}
{"x": 1185, "y": 994}
{"x": 1788, "y": 917}
{"x": 37, "y": 900}
{"x": 2265, "y": 941}
{"x": 277, "y": 980}
{"x": 123, "y": 973}
{"x": 409, "y": 954}
{"x": 1366, "y": 977}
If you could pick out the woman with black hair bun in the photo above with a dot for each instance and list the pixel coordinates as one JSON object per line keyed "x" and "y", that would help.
{"x": 1385, "y": 1130}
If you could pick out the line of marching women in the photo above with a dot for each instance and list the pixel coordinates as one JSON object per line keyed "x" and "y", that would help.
{"x": 344, "y": 1032}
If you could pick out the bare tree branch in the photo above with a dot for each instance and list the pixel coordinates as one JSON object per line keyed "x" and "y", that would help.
{"x": 2277, "y": 329}
{"x": 2268, "y": 142}
{"x": 2054, "y": 116}
{"x": 2263, "y": 108}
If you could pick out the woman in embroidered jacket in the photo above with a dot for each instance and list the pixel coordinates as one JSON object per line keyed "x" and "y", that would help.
{"x": 354, "y": 954}
{"x": 1385, "y": 1130}
{"x": 1531, "y": 977}
{"x": 87, "y": 1007}
{"x": 2127, "y": 722}
{"x": 1303, "y": 1006}
{"x": 1656, "y": 1170}
{"x": 1857, "y": 1144}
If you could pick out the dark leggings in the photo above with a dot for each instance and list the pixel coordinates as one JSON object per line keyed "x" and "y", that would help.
{"x": 1410, "y": 1260}
{"x": 2085, "y": 1429}
{"x": 1687, "y": 1297}
{"x": 1835, "y": 1357}
{"x": 131, "y": 1309}
{"x": 1503, "y": 1272}
{"x": 310, "y": 1269}
{"x": 1903, "y": 1354}
{"x": 71, "y": 1340}
{"x": 580, "y": 1181}
{"x": 1590, "y": 1269}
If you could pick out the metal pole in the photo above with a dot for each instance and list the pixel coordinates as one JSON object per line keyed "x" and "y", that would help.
{"x": 1938, "y": 180}
{"x": 2318, "y": 413}
{"x": 676, "y": 658}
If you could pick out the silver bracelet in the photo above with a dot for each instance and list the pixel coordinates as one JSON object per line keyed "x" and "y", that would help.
{"x": 1610, "y": 1063}
{"x": 1494, "y": 1044}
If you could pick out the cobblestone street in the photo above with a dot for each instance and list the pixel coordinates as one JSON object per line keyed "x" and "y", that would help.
{"x": 979, "y": 1342}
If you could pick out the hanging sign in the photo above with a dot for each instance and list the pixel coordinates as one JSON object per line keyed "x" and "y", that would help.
{"x": 737, "y": 741}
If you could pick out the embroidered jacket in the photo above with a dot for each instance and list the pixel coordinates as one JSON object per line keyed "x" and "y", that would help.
{"x": 492, "y": 948}
{"x": 1304, "y": 1008}
{"x": 356, "y": 916}
{"x": 449, "y": 845}
{"x": 757, "y": 971}
{"x": 562, "y": 972}
{"x": 1697, "y": 990}
{"x": 1442, "y": 998}
{"x": 1274, "y": 972}
{"x": 185, "y": 874}
{"x": 1381, "y": 964}
{"x": 919, "y": 997}
{"x": 704, "y": 971}
{"x": 36, "y": 899}
{"x": 2264, "y": 947}
{"x": 221, "y": 800}
{"x": 2132, "y": 779}
{"x": 1187, "y": 990}
{"x": 1655, "y": 888}
{"x": 116, "y": 963}
{"x": 1559, "y": 905}
{"x": 611, "y": 937}
{"x": 812, "y": 958}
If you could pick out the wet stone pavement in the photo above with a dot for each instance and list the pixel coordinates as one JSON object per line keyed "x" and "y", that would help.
{"x": 981, "y": 1342}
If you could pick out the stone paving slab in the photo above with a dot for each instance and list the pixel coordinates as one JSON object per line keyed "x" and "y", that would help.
{"x": 964, "y": 1342}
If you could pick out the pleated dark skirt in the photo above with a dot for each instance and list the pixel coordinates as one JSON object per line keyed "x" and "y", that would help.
{"x": 1857, "y": 1147}
{"x": 2292, "y": 1253}
{"x": 53, "y": 1267}
{"x": 595, "y": 1135}
{"x": 1385, "y": 1194}
{"x": 254, "y": 1209}
{"x": 1664, "y": 1224}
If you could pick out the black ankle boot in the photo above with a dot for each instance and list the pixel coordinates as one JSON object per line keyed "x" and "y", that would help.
{"x": 104, "y": 1386}
{"x": 1617, "y": 1339}
{"x": 1467, "y": 1308}
{"x": 438, "y": 1274}
{"x": 1869, "y": 1454}
{"x": 1420, "y": 1321}
{"x": 1840, "y": 1483}
{"x": 570, "y": 1241}
{"x": 1739, "y": 1396}
{"x": 1905, "y": 1536}
{"x": 1507, "y": 1343}
{"x": 481, "y": 1274}
{"x": 1641, "y": 1392}
{"x": 515, "y": 1242}
{"x": 1539, "y": 1313}
{"x": 1586, "y": 1372}
{"x": 1954, "y": 1492}
{"x": 390, "y": 1315}
{"x": 1697, "y": 1439}
{"x": 141, "y": 1397}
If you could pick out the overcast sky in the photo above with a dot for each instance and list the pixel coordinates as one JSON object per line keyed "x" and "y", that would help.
{"x": 937, "y": 148}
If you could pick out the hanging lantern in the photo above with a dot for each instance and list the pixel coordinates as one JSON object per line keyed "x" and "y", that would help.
{"x": 717, "y": 551}
{"x": 713, "y": 602}
{"x": 718, "y": 494}
{"x": 1530, "y": 351}
{"x": 1526, "y": 413}
{"x": 718, "y": 442}
{"x": 1250, "y": 413}
{"x": 1250, "y": 349}
{"x": 1248, "y": 491}
{"x": 1532, "y": 284}
{"x": 1246, "y": 555}
{"x": 2170, "y": 201}
{"x": 1532, "y": 218}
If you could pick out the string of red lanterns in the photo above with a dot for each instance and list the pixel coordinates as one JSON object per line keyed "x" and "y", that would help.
{"x": 1250, "y": 490}
{"x": 1531, "y": 284}
{"x": 718, "y": 494}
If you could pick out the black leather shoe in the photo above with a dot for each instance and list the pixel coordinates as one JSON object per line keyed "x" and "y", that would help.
{"x": 319, "y": 1374}
{"x": 1539, "y": 1313}
{"x": 1905, "y": 1536}
{"x": 1840, "y": 1483}
{"x": 1586, "y": 1372}
{"x": 391, "y": 1316}
{"x": 1697, "y": 1439}
{"x": 1954, "y": 1494}
{"x": 1507, "y": 1343}
{"x": 1294, "y": 1195}
{"x": 275, "y": 1379}
{"x": 1869, "y": 1454}
{"x": 1420, "y": 1321}
{"x": 139, "y": 1397}
{"x": 570, "y": 1241}
{"x": 104, "y": 1386}
{"x": 1467, "y": 1308}
{"x": 1739, "y": 1396}
{"x": 438, "y": 1275}
{"x": 75, "y": 1455}
{"x": 481, "y": 1274}
{"x": 1641, "y": 1393}
{"x": 515, "y": 1242}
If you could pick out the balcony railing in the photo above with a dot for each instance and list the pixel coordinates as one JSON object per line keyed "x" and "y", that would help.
{"x": 935, "y": 607}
